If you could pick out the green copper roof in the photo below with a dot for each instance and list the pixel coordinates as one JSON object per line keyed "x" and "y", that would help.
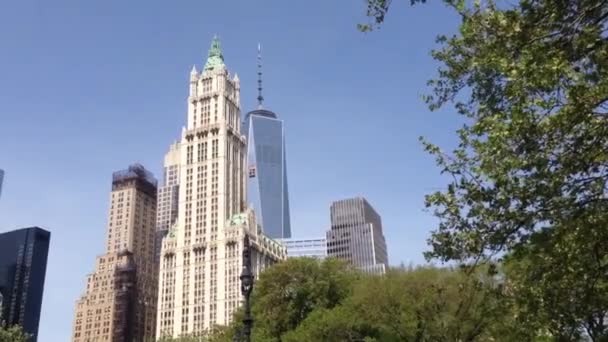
{"x": 172, "y": 231}
{"x": 215, "y": 58}
{"x": 238, "y": 219}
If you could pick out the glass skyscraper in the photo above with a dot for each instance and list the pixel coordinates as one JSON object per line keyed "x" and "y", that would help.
{"x": 23, "y": 257}
{"x": 267, "y": 172}
{"x": 267, "y": 168}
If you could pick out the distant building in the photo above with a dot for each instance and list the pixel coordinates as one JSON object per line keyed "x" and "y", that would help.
{"x": 23, "y": 258}
{"x": 267, "y": 189}
{"x": 168, "y": 197}
{"x": 1, "y": 180}
{"x": 119, "y": 303}
{"x": 312, "y": 248}
{"x": 356, "y": 235}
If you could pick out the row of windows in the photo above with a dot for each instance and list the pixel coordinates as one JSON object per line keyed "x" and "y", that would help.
{"x": 202, "y": 151}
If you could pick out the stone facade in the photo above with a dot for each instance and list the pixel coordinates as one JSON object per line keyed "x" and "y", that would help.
{"x": 200, "y": 259}
{"x": 119, "y": 303}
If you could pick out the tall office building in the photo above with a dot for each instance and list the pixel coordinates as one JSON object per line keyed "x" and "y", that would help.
{"x": 267, "y": 168}
{"x": 119, "y": 302}
{"x": 1, "y": 180}
{"x": 23, "y": 257}
{"x": 168, "y": 196}
{"x": 310, "y": 248}
{"x": 201, "y": 257}
{"x": 356, "y": 235}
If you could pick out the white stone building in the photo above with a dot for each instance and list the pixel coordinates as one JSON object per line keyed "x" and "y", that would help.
{"x": 200, "y": 260}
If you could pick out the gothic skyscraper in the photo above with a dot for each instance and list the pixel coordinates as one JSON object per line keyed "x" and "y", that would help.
{"x": 200, "y": 257}
{"x": 267, "y": 167}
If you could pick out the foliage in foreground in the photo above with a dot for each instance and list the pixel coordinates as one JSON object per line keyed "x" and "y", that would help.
{"x": 530, "y": 173}
{"x": 12, "y": 334}
{"x": 303, "y": 300}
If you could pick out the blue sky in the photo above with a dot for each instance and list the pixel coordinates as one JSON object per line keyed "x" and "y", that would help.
{"x": 88, "y": 87}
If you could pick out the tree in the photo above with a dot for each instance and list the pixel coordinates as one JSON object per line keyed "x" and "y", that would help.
{"x": 288, "y": 292}
{"x": 13, "y": 334}
{"x": 529, "y": 176}
{"x": 377, "y": 11}
{"x": 424, "y": 304}
{"x": 303, "y": 300}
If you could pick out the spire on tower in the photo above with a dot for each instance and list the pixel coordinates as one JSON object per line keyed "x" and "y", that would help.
{"x": 260, "y": 97}
{"x": 215, "y": 57}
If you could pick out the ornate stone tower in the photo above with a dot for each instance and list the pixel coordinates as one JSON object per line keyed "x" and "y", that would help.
{"x": 200, "y": 256}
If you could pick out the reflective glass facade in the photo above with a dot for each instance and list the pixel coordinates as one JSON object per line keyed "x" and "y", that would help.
{"x": 267, "y": 173}
{"x": 23, "y": 257}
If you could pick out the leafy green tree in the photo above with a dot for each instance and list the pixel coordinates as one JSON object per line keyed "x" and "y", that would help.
{"x": 288, "y": 292}
{"x": 530, "y": 172}
{"x": 304, "y": 300}
{"x": 425, "y": 304}
{"x": 529, "y": 175}
{"x": 377, "y": 11}
{"x": 12, "y": 334}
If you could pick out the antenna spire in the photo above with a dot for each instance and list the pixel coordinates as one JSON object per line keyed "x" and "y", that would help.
{"x": 260, "y": 97}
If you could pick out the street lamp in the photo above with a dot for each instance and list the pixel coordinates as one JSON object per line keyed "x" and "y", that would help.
{"x": 246, "y": 288}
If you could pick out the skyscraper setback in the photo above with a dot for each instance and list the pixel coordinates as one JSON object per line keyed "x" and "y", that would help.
{"x": 119, "y": 303}
{"x": 200, "y": 260}
{"x": 267, "y": 167}
{"x": 356, "y": 235}
{"x": 168, "y": 196}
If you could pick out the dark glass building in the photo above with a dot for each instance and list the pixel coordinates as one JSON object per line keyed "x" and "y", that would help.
{"x": 267, "y": 172}
{"x": 23, "y": 257}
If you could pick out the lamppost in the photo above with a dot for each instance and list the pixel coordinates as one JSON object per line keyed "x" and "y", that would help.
{"x": 246, "y": 288}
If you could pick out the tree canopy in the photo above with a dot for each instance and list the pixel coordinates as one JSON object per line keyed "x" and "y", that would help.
{"x": 303, "y": 300}
{"x": 529, "y": 174}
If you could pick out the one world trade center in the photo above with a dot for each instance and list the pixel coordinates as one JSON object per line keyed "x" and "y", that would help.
{"x": 267, "y": 174}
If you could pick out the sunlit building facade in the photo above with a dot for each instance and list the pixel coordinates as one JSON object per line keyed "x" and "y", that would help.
{"x": 356, "y": 235}
{"x": 168, "y": 196}
{"x": 201, "y": 256}
{"x": 119, "y": 301}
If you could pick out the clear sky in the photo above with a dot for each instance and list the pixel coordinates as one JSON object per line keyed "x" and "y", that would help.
{"x": 88, "y": 87}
